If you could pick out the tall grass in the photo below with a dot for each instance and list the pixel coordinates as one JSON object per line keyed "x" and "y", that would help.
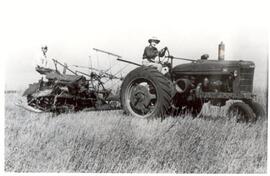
{"x": 111, "y": 142}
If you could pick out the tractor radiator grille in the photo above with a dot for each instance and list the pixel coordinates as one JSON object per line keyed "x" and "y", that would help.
{"x": 246, "y": 79}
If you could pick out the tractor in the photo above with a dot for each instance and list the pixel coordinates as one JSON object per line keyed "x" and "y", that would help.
{"x": 148, "y": 93}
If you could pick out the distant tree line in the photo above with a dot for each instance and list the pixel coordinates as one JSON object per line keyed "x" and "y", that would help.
{"x": 10, "y": 91}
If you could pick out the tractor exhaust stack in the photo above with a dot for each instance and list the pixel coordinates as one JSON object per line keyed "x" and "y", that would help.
{"x": 221, "y": 51}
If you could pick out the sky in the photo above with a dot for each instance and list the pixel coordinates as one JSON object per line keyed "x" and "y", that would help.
{"x": 189, "y": 29}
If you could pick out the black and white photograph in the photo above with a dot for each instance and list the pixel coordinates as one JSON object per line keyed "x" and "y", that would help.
{"x": 125, "y": 86}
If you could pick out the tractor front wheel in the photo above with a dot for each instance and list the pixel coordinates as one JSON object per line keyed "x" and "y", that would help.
{"x": 257, "y": 109}
{"x": 241, "y": 112}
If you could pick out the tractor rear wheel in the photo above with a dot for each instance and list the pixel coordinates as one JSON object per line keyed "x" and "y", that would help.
{"x": 241, "y": 112}
{"x": 146, "y": 93}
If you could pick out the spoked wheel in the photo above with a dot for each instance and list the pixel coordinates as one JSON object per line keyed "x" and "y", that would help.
{"x": 146, "y": 93}
{"x": 241, "y": 112}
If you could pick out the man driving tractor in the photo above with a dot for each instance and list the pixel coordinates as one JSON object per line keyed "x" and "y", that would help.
{"x": 151, "y": 54}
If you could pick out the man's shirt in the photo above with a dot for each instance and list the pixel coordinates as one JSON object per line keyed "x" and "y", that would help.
{"x": 150, "y": 53}
{"x": 41, "y": 60}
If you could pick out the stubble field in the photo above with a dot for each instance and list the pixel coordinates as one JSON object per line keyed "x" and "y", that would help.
{"x": 112, "y": 142}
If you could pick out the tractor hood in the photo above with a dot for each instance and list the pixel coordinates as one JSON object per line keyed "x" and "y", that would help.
{"x": 211, "y": 66}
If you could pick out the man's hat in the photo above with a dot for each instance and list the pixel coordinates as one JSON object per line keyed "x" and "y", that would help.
{"x": 155, "y": 39}
{"x": 44, "y": 47}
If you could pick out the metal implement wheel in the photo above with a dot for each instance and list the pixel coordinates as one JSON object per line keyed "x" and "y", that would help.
{"x": 146, "y": 93}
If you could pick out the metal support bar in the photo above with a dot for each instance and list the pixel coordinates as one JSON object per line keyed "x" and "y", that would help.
{"x": 122, "y": 60}
{"x": 56, "y": 61}
{"x": 179, "y": 58}
{"x": 83, "y": 73}
{"x": 106, "y": 52}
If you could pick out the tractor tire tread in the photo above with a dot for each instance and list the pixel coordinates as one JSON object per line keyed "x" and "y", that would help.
{"x": 161, "y": 82}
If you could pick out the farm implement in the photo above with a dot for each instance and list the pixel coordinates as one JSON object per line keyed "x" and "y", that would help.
{"x": 76, "y": 91}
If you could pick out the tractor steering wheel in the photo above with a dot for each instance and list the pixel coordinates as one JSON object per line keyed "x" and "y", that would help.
{"x": 166, "y": 57}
